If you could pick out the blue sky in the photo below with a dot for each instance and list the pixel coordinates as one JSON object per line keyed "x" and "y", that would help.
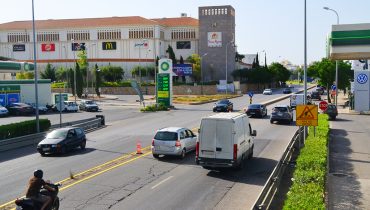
{"x": 275, "y": 26}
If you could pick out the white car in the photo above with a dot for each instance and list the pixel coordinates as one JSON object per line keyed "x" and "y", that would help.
{"x": 3, "y": 111}
{"x": 267, "y": 92}
{"x": 70, "y": 106}
{"x": 173, "y": 141}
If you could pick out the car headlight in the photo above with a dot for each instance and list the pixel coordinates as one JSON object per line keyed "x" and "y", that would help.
{"x": 54, "y": 145}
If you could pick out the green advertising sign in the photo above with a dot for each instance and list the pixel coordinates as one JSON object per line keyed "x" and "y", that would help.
{"x": 10, "y": 88}
{"x": 63, "y": 95}
{"x": 163, "y": 89}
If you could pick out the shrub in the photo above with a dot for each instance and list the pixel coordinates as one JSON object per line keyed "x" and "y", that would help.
{"x": 23, "y": 128}
{"x": 57, "y": 85}
{"x": 154, "y": 108}
{"x": 307, "y": 190}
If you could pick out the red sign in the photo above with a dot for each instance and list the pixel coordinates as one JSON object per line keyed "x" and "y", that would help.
{"x": 47, "y": 47}
{"x": 323, "y": 105}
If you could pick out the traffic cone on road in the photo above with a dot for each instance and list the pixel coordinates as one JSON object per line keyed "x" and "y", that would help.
{"x": 138, "y": 148}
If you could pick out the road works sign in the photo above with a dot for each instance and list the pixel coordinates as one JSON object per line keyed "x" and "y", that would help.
{"x": 306, "y": 115}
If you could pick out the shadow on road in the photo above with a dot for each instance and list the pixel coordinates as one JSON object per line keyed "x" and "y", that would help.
{"x": 17, "y": 153}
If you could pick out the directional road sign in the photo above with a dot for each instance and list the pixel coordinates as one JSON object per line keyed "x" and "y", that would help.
{"x": 250, "y": 93}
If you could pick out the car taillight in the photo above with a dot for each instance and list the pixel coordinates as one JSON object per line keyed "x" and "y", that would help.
{"x": 153, "y": 142}
{"x": 235, "y": 155}
{"x": 178, "y": 143}
{"x": 197, "y": 150}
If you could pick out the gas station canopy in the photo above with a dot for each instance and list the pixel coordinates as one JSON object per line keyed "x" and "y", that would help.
{"x": 15, "y": 67}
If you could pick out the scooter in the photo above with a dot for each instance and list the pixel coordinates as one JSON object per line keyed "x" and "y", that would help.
{"x": 30, "y": 204}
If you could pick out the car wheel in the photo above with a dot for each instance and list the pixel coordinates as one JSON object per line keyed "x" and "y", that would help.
{"x": 55, "y": 205}
{"x": 42, "y": 154}
{"x": 240, "y": 166}
{"x": 271, "y": 121}
{"x": 155, "y": 156}
{"x": 251, "y": 153}
{"x": 83, "y": 145}
{"x": 183, "y": 153}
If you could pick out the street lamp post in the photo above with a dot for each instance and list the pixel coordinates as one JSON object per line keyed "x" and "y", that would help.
{"x": 305, "y": 64}
{"x": 35, "y": 67}
{"x": 227, "y": 63}
{"x": 336, "y": 62}
{"x": 74, "y": 72}
{"x": 201, "y": 72}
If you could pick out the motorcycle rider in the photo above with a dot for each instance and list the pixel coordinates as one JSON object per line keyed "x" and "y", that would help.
{"x": 34, "y": 187}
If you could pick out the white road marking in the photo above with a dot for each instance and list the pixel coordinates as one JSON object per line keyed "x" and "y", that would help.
{"x": 168, "y": 178}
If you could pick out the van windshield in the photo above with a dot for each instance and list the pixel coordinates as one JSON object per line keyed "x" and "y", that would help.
{"x": 166, "y": 136}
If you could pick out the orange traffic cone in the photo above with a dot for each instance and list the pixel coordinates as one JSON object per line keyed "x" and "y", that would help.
{"x": 138, "y": 148}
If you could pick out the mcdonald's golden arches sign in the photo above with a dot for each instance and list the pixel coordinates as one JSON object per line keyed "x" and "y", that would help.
{"x": 109, "y": 45}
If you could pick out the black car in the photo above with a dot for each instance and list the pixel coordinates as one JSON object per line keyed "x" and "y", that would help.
{"x": 62, "y": 140}
{"x": 287, "y": 91}
{"x": 315, "y": 95}
{"x": 256, "y": 110}
{"x": 20, "y": 109}
{"x": 89, "y": 106}
{"x": 331, "y": 111}
{"x": 223, "y": 106}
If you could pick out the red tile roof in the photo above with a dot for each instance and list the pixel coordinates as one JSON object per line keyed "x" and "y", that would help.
{"x": 98, "y": 22}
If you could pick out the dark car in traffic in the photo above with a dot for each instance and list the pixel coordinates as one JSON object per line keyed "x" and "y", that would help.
{"x": 331, "y": 111}
{"x": 223, "y": 106}
{"x": 315, "y": 95}
{"x": 62, "y": 140}
{"x": 281, "y": 113}
{"x": 20, "y": 109}
{"x": 256, "y": 110}
{"x": 89, "y": 106}
{"x": 287, "y": 90}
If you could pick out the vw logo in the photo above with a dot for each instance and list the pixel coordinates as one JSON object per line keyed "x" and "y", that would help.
{"x": 362, "y": 78}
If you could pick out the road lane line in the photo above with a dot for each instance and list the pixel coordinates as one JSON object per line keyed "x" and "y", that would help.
{"x": 161, "y": 182}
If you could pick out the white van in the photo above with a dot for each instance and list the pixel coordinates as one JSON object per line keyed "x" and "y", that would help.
{"x": 225, "y": 140}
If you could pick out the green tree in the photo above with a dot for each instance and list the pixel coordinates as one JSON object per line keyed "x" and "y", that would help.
{"x": 61, "y": 74}
{"x": 171, "y": 54}
{"x": 195, "y": 60}
{"x": 98, "y": 79}
{"x": 112, "y": 73}
{"x": 71, "y": 83}
{"x": 25, "y": 75}
{"x": 79, "y": 81}
{"x": 181, "y": 60}
{"x": 239, "y": 57}
{"x": 83, "y": 63}
{"x": 49, "y": 73}
{"x": 281, "y": 73}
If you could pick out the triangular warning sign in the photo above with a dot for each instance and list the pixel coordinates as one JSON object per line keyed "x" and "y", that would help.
{"x": 306, "y": 114}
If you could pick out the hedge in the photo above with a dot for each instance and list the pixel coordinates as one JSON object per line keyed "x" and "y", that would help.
{"x": 154, "y": 108}
{"x": 23, "y": 128}
{"x": 308, "y": 188}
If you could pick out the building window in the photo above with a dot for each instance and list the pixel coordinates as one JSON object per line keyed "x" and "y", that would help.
{"x": 47, "y": 36}
{"x": 141, "y": 33}
{"x": 183, "y": 33}
{"x": 18, "y": 37}
{"x": 112, "y": 34}
{"x": 78, "y": 35}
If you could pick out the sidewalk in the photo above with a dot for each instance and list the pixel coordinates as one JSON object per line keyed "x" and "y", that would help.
{"x": 348, "y": 180}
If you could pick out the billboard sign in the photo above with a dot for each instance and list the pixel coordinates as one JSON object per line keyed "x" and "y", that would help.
{"x": 144, "y": 44}
{"x": 12, "y": 98}
{"x": 3, "y": 99}
{"x": 109, "y": 45}
{"x": 78, "y": 46}
{"x": 19, "y": 48}
{"x": 183, "y": 69}
{"x": 214, "y": 39}
{"x": 48, "y": 47}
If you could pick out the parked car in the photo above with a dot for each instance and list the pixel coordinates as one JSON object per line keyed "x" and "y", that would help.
{"x": 62, "y": 140}
{"x": 89, "y": 106}
{"x": 267, "y": 92}
{"x": 3, "y": 111}
{"x": 20, "y": 109}
{"x": 256, "y": 110}
{"x": 287, "y": 90}
{"x": 42, "y": 109}
{"x": 320, "y": 89}
{"x": 225, "y": 140}
{"x": 173, "y": 141}
{"x": 223, "y": 106}
{"x": 281, "y": 113}
{"x": 332, "y": 111}
{"x": 315, "y": 95}
{"x": 70, "y": 106}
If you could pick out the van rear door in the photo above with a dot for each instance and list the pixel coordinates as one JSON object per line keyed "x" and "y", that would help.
{"x": 224, "y": 139}
{"x": 207, "y": 141}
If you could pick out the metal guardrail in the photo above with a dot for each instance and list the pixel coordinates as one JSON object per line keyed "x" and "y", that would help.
{"x": 88, "y": 125}
{"x": 265, "y": 198}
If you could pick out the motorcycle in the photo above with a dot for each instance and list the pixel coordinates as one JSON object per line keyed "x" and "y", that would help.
{"x": 30, "y": 204}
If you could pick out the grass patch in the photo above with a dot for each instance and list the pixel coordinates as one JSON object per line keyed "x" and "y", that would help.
{"x": 307, "y": 191}
{"x": 199, "y": 99}
{"x": 154, "y": 108}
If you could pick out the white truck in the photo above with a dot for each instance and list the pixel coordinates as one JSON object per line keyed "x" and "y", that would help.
{"x": 296, "y": 99}
{"x": 225, "y": 140}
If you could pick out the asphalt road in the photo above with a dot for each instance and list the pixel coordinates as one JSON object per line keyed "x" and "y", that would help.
{"x": 189, "y": 186}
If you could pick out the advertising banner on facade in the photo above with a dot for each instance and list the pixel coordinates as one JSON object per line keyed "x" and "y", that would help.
{"x": 183, "y": 69}
{"x": 183, "y": 45}
{"x": 109, "y": 45}
{"x": 3, "y": 99}
{"x": 144, "y": 44}
{"x": 48, "y": 47}
{"x": 12, "y": 98}
{"x": 10, "y": 88}
{"x": 19, "y": 48}
{"x": 78, "y": 46}
{"x": 214, "y": 39}
{"x": 361, "y": 65}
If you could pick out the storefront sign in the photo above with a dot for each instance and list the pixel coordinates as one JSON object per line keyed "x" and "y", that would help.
{"x": 78, "y": 46}
{"x": 19, "y": 48}
{"x": 214, "y": 39}
{"x": 47, "y": 47}
{"x": 10, "y": 88}
{"x": 183, "y": 45}
{"x": 109, "y": 45}
{"x": 143, "y": 44}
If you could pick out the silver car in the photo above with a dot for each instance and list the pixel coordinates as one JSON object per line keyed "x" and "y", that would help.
{"x": 173, "y": 141}
{"x": 281, "y": 113}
